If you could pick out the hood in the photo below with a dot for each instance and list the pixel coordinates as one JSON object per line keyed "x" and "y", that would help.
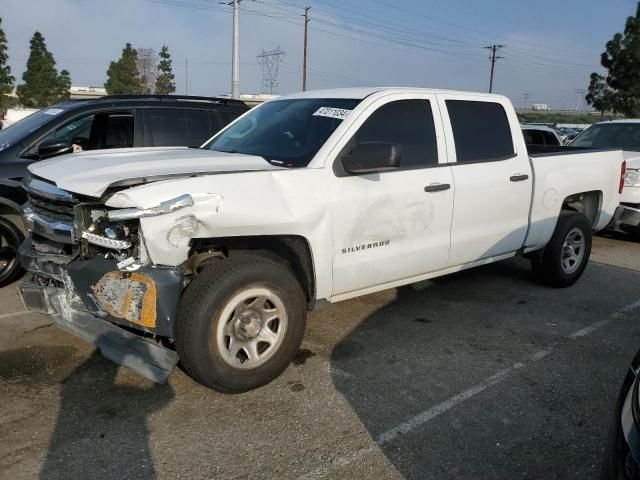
{"x": 91, "y": 173}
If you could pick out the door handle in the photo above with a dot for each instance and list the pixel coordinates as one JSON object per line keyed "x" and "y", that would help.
{"x": 437, "y": 187}
{"x": 518, "y": 177}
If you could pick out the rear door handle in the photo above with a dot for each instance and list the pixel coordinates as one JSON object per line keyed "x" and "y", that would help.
{"x": 437, "y": 187}
{"x": 518, "y": 177}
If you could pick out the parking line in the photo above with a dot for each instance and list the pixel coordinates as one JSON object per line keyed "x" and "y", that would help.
{"x": 427, "y": 415}
{"x": 14, "y": 314}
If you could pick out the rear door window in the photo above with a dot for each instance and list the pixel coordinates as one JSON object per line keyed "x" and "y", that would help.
{"x": 178, "y": 126}
{"x": 118, "y": 130}
{"x": 533, "y": 137}
{"x": 481, "y": 131}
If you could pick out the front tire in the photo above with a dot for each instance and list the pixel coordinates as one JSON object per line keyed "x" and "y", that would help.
{"x": 240, "y": 323}
{"x": 10, "y": 239}
{"x": 565, "y": 257}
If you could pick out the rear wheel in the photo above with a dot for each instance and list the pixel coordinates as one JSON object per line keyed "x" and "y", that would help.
{"x": 240, "y": 323}
{"x": 10, "y": 239}
{"x": 565, "y": 257}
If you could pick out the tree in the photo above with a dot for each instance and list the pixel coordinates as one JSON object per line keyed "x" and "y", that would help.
{"x": 123, "y": 76}
{"x": 64, "y": 85}
{"x": 164, "y": 83}
{"x": 620, "y": 90}
{"x": 41, "y": 85}
{"x": 148, "y": 69}
{"x": 600, "y": 95}
{"x": 6, "y": 80}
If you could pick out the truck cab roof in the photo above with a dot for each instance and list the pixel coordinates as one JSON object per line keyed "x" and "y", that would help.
{"x": 363, "y": 92}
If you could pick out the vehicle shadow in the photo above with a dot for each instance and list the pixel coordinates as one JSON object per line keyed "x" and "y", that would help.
{"x": 414, "y": 351}
{"x": 101, "y": 429}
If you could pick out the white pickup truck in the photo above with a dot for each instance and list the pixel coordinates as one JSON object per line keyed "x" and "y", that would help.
{"x": 213, "y": 256}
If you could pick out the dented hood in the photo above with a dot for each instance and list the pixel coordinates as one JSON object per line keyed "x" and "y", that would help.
{"x": 91, "y": 173}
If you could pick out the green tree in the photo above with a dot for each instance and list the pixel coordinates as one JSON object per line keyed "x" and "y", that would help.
{"x": 164, "y": 81}
{"x": 620, "y": 90}
{"x": 64, "y": 85}
{"x": 123, "y": 76}
{"x": 6, "y": 80}
{"x": 41, "y": 85}
{"x": 600, "y": 95}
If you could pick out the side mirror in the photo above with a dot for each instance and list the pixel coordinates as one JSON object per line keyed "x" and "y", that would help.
{"x": 52, "y": 147}
{"x": 372, "y": 157}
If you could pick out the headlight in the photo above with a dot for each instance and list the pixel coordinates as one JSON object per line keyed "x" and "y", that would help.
{"x": 165, "y": 207}
{"x": 632, "y": 178}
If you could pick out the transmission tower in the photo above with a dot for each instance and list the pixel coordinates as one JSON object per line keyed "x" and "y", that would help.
{"x": 270, "y": 62}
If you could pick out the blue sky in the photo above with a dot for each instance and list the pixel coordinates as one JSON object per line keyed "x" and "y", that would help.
{"x": 551, "y": 46}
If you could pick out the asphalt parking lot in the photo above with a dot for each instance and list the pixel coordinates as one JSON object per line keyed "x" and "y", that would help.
{"x": 481, "y": 374}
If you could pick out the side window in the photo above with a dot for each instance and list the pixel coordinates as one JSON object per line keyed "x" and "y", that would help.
{"x": 177, "y": 126}
{"x": 550, "y": 139}
{"x": 227, "y": 116}
{"x": 408, "y": 123}
{"x": 77, "y": 131}
{"x": 533, "y": 137}
{"x": 118, "y": 130}
{"x": 480, "y": 130}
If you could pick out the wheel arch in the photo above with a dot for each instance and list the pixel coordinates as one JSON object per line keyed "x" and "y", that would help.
{"x": 293, "y": 251}
{"x": 588, "y": 203}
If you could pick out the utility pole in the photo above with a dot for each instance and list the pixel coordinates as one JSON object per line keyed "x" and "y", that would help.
{"x": 304, "y": 58}
{"x": 186, "y": 76}
{"x": 235, "y": 54}
{"x": 493, "y": 57}
{"x": 579, "y": 93}
{"x": 526, "y": 101}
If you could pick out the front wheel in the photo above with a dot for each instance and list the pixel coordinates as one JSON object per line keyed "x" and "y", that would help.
{"x": 565, "y": 257}
{"x": 240, "y": 323}
{"x": 10, "y": 239}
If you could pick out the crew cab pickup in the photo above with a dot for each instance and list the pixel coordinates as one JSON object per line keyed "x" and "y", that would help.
{"x": 213, "y": 256}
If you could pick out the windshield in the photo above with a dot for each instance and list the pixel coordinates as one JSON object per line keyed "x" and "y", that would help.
{"x": 623, "y": 136}
{"x": 285, "y": 132}
{"x": 17, "y": 131}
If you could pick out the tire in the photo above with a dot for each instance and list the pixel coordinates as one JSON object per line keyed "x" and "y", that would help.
{"x": 557, "y": 265}
{"x": 249, "y": 305}
{"x": 10, "y": 239}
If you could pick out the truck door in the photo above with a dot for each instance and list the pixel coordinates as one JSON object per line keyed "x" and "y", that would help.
{"x": 493, "y": 180}
{"x": 395, "y": 224}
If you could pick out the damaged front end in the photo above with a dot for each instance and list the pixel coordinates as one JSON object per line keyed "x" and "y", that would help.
{"x": 90, "y": 270}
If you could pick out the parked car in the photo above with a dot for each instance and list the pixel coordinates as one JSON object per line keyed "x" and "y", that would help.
{"x": 122, "y": 121}
{"x": 541, "y": 136}
{"x": 315, "y": 197}
{"x": 625, "y": 135}
{"x": 622, "y": 450}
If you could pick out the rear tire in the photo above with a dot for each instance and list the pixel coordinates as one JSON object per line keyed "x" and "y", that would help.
{"x": 565, "y": 257}
{"x": 10, "y": 239}
{"x": 240, "y": 323}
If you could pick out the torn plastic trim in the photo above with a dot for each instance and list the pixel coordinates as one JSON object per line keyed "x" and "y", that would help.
{"x": 165, "y": 207}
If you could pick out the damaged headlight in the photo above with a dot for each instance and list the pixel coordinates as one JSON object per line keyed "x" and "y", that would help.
{"x": 165, "y": 207}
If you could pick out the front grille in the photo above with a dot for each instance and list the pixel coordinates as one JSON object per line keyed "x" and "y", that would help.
{"x": 51, "y": 209}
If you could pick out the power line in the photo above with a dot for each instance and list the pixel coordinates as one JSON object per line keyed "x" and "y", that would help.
{"x": 270, "y": 62}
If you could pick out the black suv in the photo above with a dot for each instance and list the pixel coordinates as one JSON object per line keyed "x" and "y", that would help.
{"x": 118, "y": 121}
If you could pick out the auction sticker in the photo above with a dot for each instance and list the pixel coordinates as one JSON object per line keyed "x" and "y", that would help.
{"x": 339, "y": 113}
{"x": 53, "y": 111}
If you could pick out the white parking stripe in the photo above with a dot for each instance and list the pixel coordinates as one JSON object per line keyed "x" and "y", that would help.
{"x": 432, "y": 412}
{"x": 14, "y": 314}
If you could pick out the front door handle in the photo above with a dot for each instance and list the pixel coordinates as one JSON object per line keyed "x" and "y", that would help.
{"x": 437, "y": 187}
{"x": 518, "y": 177}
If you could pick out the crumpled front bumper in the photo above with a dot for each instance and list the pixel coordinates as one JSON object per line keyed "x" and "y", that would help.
{"x": 115, "y": 343}
{"x": 93, "y": 300}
